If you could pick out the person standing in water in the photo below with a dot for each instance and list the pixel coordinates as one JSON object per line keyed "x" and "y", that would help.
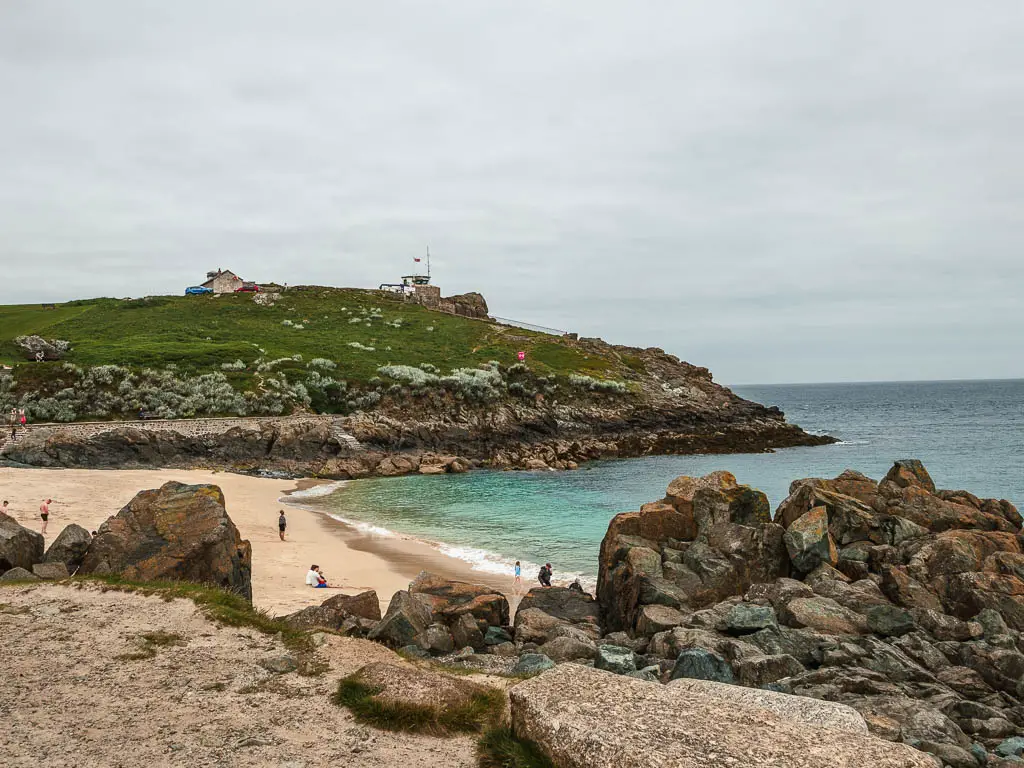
{"x": 518, "y": 580}
{"x": 44, "y": 512}
{"x": 282, "y": 523}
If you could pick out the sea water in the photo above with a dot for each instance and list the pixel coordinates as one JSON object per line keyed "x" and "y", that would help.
{"x": 969, "y": 435}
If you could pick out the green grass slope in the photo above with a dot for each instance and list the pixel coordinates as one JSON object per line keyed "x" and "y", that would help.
{"x": 312, "y": 347}
{"x": 200, "y": 333}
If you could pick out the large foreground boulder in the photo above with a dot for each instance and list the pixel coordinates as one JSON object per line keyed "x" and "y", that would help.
{"x": 795, "y": 709}
{"x": 69, "y": 547}
{"x": 177, "y": 532}
{"x": 401, "y": 684}
{"x": 19, "y": 546}
{"x": 586, "y": 718}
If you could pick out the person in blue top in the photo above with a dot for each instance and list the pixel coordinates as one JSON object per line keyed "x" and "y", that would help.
{"x": 518, "y": 574}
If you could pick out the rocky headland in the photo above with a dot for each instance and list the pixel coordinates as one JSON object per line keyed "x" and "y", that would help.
{"x": 669, "y": 407}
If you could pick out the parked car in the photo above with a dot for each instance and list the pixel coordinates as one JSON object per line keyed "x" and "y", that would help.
{"x": 197, "y": 289}
{"x": 248, "y": 288}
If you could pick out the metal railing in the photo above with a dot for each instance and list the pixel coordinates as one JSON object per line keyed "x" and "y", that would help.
{"x": 529, "y": 326}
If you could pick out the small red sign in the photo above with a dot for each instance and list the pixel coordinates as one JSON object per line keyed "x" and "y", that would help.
{"x": 522, "y": 356}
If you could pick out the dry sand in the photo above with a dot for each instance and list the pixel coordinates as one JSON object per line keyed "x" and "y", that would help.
{"x": 352, "y": 560}
{"x": 69, "y": 698}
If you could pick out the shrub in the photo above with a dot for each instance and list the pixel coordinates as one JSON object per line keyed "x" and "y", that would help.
{"x": 597, "y": 385}
{"x": 238, "y": 365}
{"x": 322, "y": 362}
{"x": 406, "y": 374}
{"x": 363, "y": 347}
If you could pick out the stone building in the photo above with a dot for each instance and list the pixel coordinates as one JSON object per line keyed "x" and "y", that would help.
{"x": 222, "y": 281}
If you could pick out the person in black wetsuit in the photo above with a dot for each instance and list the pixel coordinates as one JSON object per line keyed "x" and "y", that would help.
{"x": 544, "y": 577}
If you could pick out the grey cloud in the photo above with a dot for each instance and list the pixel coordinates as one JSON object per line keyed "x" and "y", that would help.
{"x": 781, "y": 191}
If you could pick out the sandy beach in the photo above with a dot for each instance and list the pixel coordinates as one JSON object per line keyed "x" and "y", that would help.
{"x": 351, "y": 559}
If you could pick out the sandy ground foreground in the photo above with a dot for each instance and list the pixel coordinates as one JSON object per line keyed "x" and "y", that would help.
{"x": 350, "y": 559}
{"x": 72, "y": 696}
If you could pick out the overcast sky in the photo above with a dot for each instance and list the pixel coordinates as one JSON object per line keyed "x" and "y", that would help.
{"x": 781, "y": 191}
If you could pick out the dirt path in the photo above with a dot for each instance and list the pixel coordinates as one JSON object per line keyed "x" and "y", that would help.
{"x": 68, "y": 699}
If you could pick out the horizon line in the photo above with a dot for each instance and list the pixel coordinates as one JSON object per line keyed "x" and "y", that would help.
{"x": 871, "y": 381}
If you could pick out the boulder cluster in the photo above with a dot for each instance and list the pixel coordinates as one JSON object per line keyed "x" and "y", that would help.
{"x": 174, "y": 533}
{"x": 903, "y": 601}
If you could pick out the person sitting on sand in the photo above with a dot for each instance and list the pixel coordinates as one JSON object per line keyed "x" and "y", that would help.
{"x": 544, "y": 577}
{"x": 316, "y": 579}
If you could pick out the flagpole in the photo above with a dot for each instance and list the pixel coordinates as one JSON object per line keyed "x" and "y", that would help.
{"x": 428, "y": 261}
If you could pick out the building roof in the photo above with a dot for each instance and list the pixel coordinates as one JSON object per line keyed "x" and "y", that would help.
{"x": 220, "y": 273}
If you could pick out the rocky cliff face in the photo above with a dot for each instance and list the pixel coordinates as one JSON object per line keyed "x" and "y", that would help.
{"x": 901, "y": 600}
{"x": 670, "y": 407}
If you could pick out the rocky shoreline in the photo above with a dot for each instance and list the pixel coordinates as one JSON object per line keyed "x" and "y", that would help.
{"x": 384, "y": 445}
{"x": 669, "y": 407}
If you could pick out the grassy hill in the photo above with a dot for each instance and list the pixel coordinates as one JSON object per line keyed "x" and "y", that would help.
{"x": 241, "y": 341}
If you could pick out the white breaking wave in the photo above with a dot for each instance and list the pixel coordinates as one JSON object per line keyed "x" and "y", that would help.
{"x": 853, "y": 442}
{"x": 491, "y": 562}
{"x": 481, "y": 560}
{"x": 316, "y": 491}
{"x": 370, "y": 528}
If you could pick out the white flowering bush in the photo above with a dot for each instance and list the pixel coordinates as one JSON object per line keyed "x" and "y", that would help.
{"x": 591, "y": 384}
{"x": 238, "y": 365}
{"x": 475, "y": 384}
{"x": 406, "y": 374}
{"x": 361, "y": 347}
{"x": 322, "y": 362}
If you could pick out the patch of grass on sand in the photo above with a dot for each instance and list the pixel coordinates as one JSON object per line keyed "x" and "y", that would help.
{"x": 226, "y": 608}
{"x": 499, "y": 748}
{"x": 150, "y": 641}
{"x": 481, "y": 711}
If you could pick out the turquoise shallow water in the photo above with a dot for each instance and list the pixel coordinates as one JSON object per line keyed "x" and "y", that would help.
{"x": 969, "y": 434}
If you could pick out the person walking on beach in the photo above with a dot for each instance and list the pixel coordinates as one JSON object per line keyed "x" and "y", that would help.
{"x": 44, "y": 512}
{"x": 518, "y": 581}
{"x": 282, "y": 523}
{"x": 544, "y": 577}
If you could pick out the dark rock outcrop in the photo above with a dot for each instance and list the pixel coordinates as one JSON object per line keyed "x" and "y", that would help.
{"x": 18, "y": 574}
{"x": 19, "y": 546}
{"x": 408, "y": 615}
{"x": 177, "y": 532}
{"x": 707, "y": 540}
{"x": 69, "y": 547}
{"x": 546, "y": 614}
{"x": 348, "y": 614}
{"x": 901, "y": 600}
